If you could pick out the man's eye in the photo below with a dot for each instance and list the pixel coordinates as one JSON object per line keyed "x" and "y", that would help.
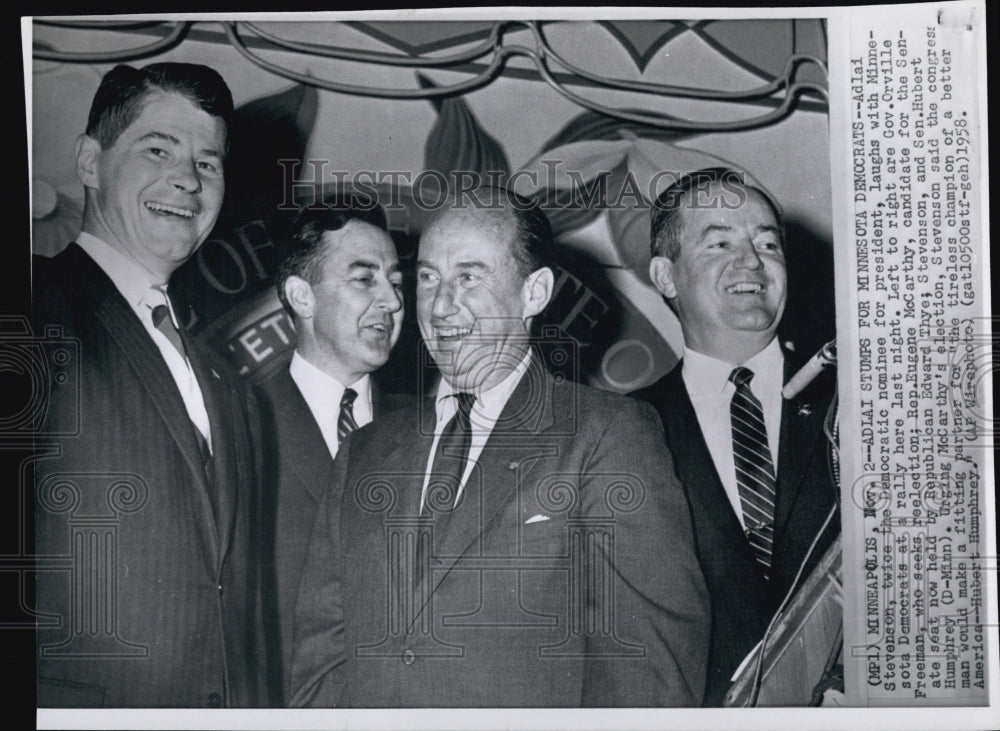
{"x": 426, "y": 277}
{"x": 365, "y": 281}
{"x": 468, "y": 280}
{"x": 208, "y": 167}
{"x": 719, "y": 245}
{"x": 769, "y": 245}
{"x": 157, "y": 152}
{"x": 396, "y": 283}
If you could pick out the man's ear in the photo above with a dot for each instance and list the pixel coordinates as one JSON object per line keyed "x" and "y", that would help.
{"x": 88, "y": 151}
{"x": 661, "y": 272}
{"x": 300, "y": 296}
{"x": 537, "y": 291}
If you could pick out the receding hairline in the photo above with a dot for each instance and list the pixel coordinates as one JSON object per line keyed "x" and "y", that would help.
{"x": 502, "y": 221}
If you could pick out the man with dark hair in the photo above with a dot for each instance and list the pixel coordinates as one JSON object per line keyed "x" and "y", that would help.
{"x": 152, "y": 484}
{"x": 515, "y": 540}
{"x": 338, "y": 277}
{"x": 754, "y": 465}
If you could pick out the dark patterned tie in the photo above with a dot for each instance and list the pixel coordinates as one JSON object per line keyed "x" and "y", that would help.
{"x": 345, "y": 422}
{"x": 453, "y": 449}
{"x": 447, "y": 469}
{"x": 754, "y": 468}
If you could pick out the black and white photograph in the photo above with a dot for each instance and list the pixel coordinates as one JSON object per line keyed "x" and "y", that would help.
{"x": 507, "y": 362}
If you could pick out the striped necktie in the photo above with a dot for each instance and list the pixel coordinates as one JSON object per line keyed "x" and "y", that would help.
{"x": 345, "y": 421}
{"x": 754, "y": 468}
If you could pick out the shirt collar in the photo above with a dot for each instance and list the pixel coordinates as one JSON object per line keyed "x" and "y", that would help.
{"x": 704, "y": 374}
{"x": 489, "y": 403}
{"x": 321, "y": 387}
{"x": 130, "y": 279}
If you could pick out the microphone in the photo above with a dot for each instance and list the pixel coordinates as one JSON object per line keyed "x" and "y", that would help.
{"x": 826, "y": 357}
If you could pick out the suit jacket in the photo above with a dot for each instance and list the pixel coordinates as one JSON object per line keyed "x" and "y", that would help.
{"x": 742, "y": 600}
{"x": 567, "y": 576}
{"x": 298, "y": 468}
{"x": 147, "y": 582}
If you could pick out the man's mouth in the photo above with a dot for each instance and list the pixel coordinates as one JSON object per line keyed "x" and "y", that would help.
{"x": 383, "y": 329}
{"x": 745, "y": 288}
{"x": 162, "y": 209}
{"x": 452, "y": 333}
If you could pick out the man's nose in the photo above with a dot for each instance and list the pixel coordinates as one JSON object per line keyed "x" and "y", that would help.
{"x": 184, "y": 175}
{"x": 747, "y": 256}
{"x": 444, "y": 301}
{"x": 389, "y": 297}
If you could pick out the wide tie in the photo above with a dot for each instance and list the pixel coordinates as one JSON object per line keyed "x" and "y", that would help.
{"x": 754, "y": 467}
{"x": 345, "y": 421}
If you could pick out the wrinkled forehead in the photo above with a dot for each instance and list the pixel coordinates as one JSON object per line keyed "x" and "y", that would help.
{"x": 721, "y": 204}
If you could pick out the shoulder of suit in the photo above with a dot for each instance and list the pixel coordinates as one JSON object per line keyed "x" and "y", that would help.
{"x": 275, "y": 383}
{"x": 655, "y": 392}
{"x": 392, "y": 402}
{"x": 588, "y": 403}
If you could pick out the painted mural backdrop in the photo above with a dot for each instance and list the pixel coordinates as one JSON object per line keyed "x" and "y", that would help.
{"x": 596, "y": 175}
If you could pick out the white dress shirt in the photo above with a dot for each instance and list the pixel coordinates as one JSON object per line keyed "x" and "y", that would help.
{"x": 483, "y": 417}
{"x": 323, "y": 394}
{"x": 707, "y": 382}
{"x": 142, "y": 293}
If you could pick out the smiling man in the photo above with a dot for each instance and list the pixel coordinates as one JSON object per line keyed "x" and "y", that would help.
{"x": 157, "y": 454}
{"x": 513, "y": 540}
{"x": 339, "y": 279}
{"x": 753, "y": 465}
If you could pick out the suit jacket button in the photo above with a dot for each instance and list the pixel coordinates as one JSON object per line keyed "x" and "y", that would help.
{"x": 214, "y": 700}
{"x": 408, "y": 657}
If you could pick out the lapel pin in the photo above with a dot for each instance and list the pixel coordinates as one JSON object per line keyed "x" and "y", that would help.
{"x": 805, "y": 409}
{"x": 216, "y": 374}
{"x": 512, "y": 466}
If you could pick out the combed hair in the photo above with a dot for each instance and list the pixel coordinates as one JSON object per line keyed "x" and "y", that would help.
{"x": 125, "y": 90}
{"x": 301, "y": 253}
{"x": 666, "y": 218}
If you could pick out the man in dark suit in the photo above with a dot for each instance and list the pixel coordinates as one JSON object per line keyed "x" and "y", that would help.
{"x": 754, "y": 465}
{"x": 147, "y": 582}
{"x": 338, "y": 277}
{"x": 517, "y": 540}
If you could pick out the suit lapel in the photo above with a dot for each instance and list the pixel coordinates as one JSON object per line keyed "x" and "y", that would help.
{"x": 308, "y": 448}
{"x": 801, "y": 425}
{"x": 495, "y": 481}
{"x": 218, "y": 398}
{"x": 121, "y": 323}
{"x": 695, "y": 466}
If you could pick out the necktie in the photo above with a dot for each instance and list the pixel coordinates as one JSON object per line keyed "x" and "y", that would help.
{"x": 447, "y": 470}
{"x": 165, "y": 324}
{"x": 452, "y": 451}
{"x": 345, "y": 421}
{"x": 754, "y": 468}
